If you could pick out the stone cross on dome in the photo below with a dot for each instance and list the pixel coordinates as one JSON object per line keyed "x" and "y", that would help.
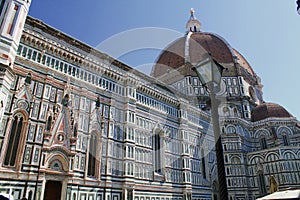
{"x": 193, "y": 24}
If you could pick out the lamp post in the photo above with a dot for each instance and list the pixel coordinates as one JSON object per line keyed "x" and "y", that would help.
{"x": 210, "y": 74}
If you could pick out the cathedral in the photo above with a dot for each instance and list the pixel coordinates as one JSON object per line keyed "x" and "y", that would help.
{"x": 78, "y": 124}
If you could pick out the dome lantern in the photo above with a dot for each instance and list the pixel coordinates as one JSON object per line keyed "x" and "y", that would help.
{"x": 193, "y": 25}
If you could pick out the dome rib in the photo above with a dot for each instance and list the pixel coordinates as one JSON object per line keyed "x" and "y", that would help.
{"x": 243, "y": 62}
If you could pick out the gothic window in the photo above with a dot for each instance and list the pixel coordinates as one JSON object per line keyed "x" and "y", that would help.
{"x": 14, "y": 140}
{"x": 157, "y": 153}
{"x": 92, "y": 155}
{"x": 49, "y": 122}
{"x": 203, "y": 164}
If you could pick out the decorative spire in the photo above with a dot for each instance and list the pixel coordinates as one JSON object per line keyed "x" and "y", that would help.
{"x": 193, "y": 25}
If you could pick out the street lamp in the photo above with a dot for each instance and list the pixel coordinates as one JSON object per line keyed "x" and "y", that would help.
{"x": 209, "y": 71}
{"x": 210, "y": 74}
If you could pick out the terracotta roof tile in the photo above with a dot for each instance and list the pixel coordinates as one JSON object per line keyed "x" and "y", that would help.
{"x": 268, "y": 110}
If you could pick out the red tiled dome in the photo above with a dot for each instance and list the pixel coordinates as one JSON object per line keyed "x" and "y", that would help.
{"x": 268, "y": 110}
{"x": 213, "y": 44}
{"x": 194, "y": 47}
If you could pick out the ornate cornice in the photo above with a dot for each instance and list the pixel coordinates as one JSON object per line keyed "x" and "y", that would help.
{"x": 55, "y": 43}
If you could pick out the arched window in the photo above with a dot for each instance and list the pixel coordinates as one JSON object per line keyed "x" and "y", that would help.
{"x": 203, "y": 164}
{"x": 92, "y": 155}
{"x": 49, "y": 122}
{"x": 30, "y": 195}
{"x": 195, "y": 29}
{"x": 157, "y": 153}
{"x": 75, "y": 130}
{"x": 14, "y": 139}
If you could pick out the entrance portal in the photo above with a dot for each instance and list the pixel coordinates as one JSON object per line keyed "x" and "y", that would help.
{"x": 53, "y": 190}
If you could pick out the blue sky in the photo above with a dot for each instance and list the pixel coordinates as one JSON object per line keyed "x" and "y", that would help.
{"x": 266, "y": 32}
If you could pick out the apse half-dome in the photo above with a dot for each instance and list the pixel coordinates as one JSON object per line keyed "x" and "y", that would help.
{"x": 269, "y": 110}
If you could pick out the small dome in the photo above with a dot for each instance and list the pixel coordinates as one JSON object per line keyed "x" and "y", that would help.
{"x": 269, "y": 110}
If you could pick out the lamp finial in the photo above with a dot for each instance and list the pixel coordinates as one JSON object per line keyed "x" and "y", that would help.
{"x": 193, "y": 25}
{"x": 192, "y": 11}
